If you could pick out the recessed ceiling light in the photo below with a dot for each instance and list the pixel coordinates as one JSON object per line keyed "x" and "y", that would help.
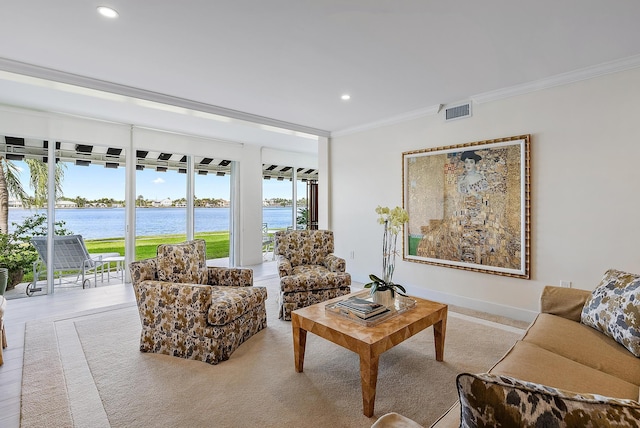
{"x": 345, "y": 97}
{"x": 107, "y": 11}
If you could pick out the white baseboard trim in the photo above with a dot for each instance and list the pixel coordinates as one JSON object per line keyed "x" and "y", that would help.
{"x": 465, "y": 302}
{"x": 477, "y": 305}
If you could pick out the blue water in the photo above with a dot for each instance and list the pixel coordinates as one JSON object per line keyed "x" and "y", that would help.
{"x": 95, "y": 223}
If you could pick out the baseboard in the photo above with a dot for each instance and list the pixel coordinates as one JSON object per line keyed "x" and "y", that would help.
{"x": 465, "y": 302}
{"x": 477, "y": 305}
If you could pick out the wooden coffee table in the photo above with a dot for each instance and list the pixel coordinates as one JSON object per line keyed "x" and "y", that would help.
{"x": 368, "y": 342}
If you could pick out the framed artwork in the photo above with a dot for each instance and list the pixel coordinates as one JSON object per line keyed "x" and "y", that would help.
{"x": 469, "y": 206}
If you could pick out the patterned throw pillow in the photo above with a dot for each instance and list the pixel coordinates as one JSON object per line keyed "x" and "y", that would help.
{"x": 614, "y": 309}
{"x": 184, "y": 262}
{"x": 488, "y": 400}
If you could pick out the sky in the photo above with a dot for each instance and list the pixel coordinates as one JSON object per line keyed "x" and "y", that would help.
{"x": 94, "y": 182}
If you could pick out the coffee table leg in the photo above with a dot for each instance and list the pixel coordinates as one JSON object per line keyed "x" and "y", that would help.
{"x": 299, "y": 344}
{"x": 439, "y": 330}
{"x": 368, "y": 378}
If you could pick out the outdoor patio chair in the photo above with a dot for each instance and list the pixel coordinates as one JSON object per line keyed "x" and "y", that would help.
{"x": 69, "y": 255}
{"x": 267, "y": 241}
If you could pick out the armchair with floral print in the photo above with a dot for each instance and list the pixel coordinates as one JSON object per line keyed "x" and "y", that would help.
{"x": 309, "y": 271}
{"x": 194, "y": 311}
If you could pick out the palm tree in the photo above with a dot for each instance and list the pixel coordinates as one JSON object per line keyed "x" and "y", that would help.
{"x": 10, "y": 185}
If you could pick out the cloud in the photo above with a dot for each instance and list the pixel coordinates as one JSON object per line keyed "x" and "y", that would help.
{"x": 158, "y": 181}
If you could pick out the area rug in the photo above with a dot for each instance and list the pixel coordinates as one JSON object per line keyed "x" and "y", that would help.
{"x": 86, "y": 371}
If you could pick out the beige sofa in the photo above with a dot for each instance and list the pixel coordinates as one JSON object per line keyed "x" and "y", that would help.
{"x": 576, "y": 365}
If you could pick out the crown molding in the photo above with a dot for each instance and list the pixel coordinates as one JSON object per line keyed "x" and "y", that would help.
{"x": 512, "y": 91}
{"x": 128, "y": 91}
{"x": 414, "y": 114}
{"x": 560, "y": 79}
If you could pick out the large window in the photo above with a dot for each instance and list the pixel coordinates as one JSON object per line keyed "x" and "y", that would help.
{"x": 26, "y": 213}
{"x": 161, "y": 201}
{"x": 277, "y": 194}
{"x": 286, "y": 196}
{"x": 212, "y": 207}
{"x": 88, "y": 201}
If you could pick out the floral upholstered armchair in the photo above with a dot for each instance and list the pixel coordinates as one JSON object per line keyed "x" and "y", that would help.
{"x": 309, "y": 271}
{"x": 193, "y": 311}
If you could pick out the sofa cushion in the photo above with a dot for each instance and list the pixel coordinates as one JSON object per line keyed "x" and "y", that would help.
{"x": 614, "y": 309}
{"x": 184, "y": 262}
{"x": 490, "y": 400}
{"x": 584, "y": 345}
{"x": 532, "y": 363}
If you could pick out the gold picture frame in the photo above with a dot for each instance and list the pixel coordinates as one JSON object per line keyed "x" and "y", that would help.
{"x": 469, "y": 206}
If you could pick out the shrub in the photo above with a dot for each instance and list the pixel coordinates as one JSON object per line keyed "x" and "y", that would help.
{"x": 16, "y": 252}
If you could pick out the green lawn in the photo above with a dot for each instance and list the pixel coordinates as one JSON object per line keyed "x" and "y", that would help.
{"x": 146, "y": 246}
{"x": 217, "y": 244}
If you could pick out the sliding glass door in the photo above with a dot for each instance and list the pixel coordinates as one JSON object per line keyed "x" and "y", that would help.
{"x": 161, "y": 201}
{"x": 87, "y": 202}
{"x": 165, "y": 210}
{"x": 212, "y": 207}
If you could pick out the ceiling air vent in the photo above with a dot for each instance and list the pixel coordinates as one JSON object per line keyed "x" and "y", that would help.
{"x": 457, "y": 112}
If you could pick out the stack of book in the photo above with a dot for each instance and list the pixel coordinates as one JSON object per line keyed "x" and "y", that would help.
{"x": 362, "y": 308}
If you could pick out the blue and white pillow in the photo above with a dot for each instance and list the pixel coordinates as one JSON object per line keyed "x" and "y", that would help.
{"x": 614, "y": 309}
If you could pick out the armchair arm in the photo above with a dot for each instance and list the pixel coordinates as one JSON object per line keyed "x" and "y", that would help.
{"x": 564, "y": 302}
{"x": 334, "y": 263}
{"x": 143, "y": 270}
{"x": 284, "y": 266}
{"x": 231, "y": 277}
{"x": 173, "y": 306}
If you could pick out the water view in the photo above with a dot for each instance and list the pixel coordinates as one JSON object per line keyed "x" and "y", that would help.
{"x": 97, "y": 223}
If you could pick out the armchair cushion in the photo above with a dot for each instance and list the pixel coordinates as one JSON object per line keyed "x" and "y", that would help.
{"x": 184, "y": 262}
{"x": 614, "y": 309}
{"x": 313, "y": 277}
{"x": 493, "y": 400}
{"x": 229, "y": 303}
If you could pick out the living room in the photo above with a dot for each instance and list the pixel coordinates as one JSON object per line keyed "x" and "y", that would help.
{"x": 582, "y": 165}
{"x": 583, "y": 127}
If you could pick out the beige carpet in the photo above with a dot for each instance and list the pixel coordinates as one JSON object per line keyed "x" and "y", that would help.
{"x": 86, "y": 371}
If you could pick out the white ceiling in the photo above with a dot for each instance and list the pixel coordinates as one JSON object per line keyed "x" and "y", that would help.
{"x": 290, "y": 60}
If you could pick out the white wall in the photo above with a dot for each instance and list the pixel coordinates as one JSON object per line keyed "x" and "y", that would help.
{"x": 585, "y": 167}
